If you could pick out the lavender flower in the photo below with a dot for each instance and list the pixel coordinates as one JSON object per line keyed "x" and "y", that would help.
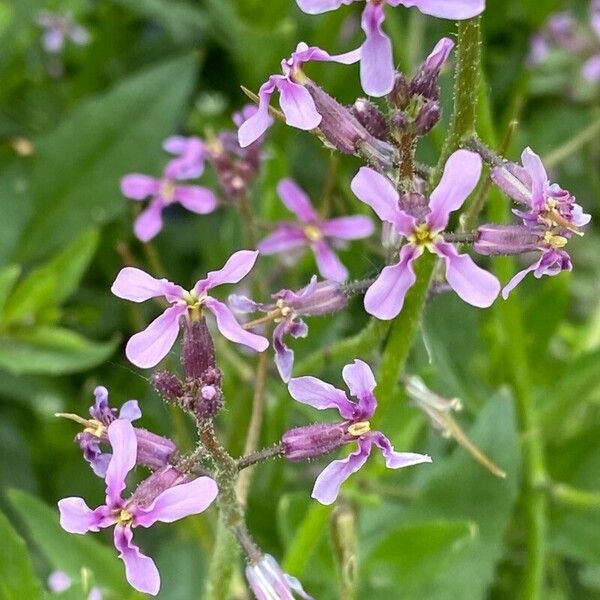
{"x": 355, "y": 428}
{"x": 376, "y": 56}
{"x": 269, "y": 582}
{"x": 317, "y": 298}
{"x": 154, "y": 451}
{"x": 59, "y": 582}
{"x": 147, "y": 348}
{"x": 296, "y": 102}
{"x": 591, "y": 67}
{"x": 141, "y": 510}
{"x": 166, "y": 191}
{"x": 58, "y": 28}
{"x": 312, "y": 231}
{"x": 385, "y": 298}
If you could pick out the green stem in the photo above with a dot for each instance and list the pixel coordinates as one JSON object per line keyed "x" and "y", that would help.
{"x": 222, "y": 564}
{"x": 573, "y": 497}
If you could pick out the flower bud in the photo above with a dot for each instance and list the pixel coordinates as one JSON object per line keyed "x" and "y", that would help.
{"x": 326, "y": 297}
{"x": 269, "y": 582}
{"x": 168, "y": 385}
{"x": 198, "y": 353}
{"x": 153, "y": 451}
{"x": 156, "y": 484}
{"x": 400, "y": 95}
{"x": 310, "y": 441}
{"x": 371, "y": 118}
{"x": 428, "y": 117}
{"x": 399, "y": 121}
{"x": 495, "y": 240}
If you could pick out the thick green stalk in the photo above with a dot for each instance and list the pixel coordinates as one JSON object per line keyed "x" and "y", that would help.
{"x": 222, "y": 564}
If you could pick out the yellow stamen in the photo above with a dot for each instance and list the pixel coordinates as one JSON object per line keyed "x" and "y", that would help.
{"x": 92, "y": 426}
{"x": 422, "y": 236}
{"x": 124, "y": 517}
{"x": 556, "y": 241}
{"x": 313, "y": 233}
{"x": 360, "y": 428}
{"x": 167, "y": 191}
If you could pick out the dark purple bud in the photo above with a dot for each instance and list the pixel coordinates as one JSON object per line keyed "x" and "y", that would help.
{"x": 415, "y": 204}
{"x": 209, "y": 401}
{"x": 371, "y": 118}
{"x": 426, "y": 81}
{"x": 400, "y": 95}
{"x": 168, "y": 385}
{"x": 198, "y": 353}
{"x": 310, "y": 441}
{"x": 495, "y": 240}
{"x": 156, "y": 484}
{"x": 399, "y": 121}
{"x": 427, "y": 118}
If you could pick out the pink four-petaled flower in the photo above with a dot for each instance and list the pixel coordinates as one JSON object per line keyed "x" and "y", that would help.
{"x": 314, "y": 232}
{"x": 147, "y": 348}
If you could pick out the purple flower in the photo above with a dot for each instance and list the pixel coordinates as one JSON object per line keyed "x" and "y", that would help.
{"x": 166, "y": 191}
{"x": 58, "y": 28}
{"x": 147, "y": 348}
{"x": 296, "y": 102}
{"x": 591, "y": 67}
{"x": 320, "y": 395}
{"x": 190, "y": 155}
{"x": 313, "y": 232}
{"x": 385, "y": 298}
{"x": 317, "y": 298}
{"x": 154, "y": 451}
{"x": 59, "y": 582}
{"x": 545, "y": 204}
{"x": 269, "y": 582}
{"x": 376, "y": 56}
{"x": 171, "y": 504}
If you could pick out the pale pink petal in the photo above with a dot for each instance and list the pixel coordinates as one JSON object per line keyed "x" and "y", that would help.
{"x": 539, "y": 178}
{"x": 149, "y": 222}
{"x": 76, "y": 516}
{"x": 136, "y": 285}
{"x": 439, "y": 55}
{"x": 140, "y": 570}
{"x": 514, "y": 282}
{"x": 315, "y": 7}
{"x": 377, "y": 61}
{"x": 328, "y": 483}
{"x": 147, "y": 348}
{"x": 297, "y": 105}
{"x": 472, "y": 283}
{"x": 123, "y": 441}
{"x": 397, "y": 460}
{"x": 385, "y": 298}
{"x": 296, "y": 200}
{"x": 445, "y": 9}
{"x": 321, "y": 395}
{"x": 251, "y": 129}
{"x": 139, "y": 187}
{"x": 53, "y": 40}
{"x": 348, "y": 228}
{"x": 178, "y": 502}
{"x": 461, "y": 175}
{"x": 238, "y": 265}
{"x": 377, "y": 191}
{"x": 231, "y": 329}
{"x": 361, "y": 382}
{"x": 328, "y": 263}
{"x": 195, "y": 198}
{"x": 287, "y": 236}
{"x": 59, "y": 581}
{"x": 130, "y": 411}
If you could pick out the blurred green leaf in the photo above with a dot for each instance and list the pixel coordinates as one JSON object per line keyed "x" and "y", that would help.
{"x": 8, "y": 277}
{"x": 53, "y": 283}
{"x": 17, "y": 578}
{"x": 66, "y": 551}
{"x": 52, "y": 351}
{"x": 75, "y": 182}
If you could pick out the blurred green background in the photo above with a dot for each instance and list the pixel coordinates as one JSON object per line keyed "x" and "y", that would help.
{"x": 72, "y": 125}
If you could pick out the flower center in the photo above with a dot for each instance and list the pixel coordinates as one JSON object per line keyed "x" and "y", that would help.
{"x": 553, "y": 216}
{"x": 194, "y": 304}
{"x": 95, "y": 427}
{"x": 556, "y": 241}
{"x": 284, "y": 310}
{"x": 124, "y": 517}
{"x": 360, "y": 428}
{"x": 422, "y": 236}
{"x": 313, "y": 233}
{"x": 167, "y": 191}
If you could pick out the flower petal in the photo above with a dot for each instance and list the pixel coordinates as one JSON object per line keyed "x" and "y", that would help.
{"x": 287, "y": 236}
{"x": 136, "y": 285}
{"x": 124, "y": 453}
{"x": 76, "y": 516}
{"x": 178, "y": 502}
{"x": 59, "y": 581}
{"x": 439, "y": 55}
{"x": 445, "y": 9}
{"x": 147, "y": 348}
{"x": 139, "y": 187}
{"x": 539, "y": 178}
{"x": 149, "y": 222}
{"x": 231, "y": 329}
{"x": 591, "y": 69}
{"x": 196, "y": 199}
{"x": 377, "y": 191}
{"x": 397, "y": 460}
{"x": 251, "y": 129}
{"x": 321, "y": 395}
{"x": 361, "y": 382}
{"x": 130, "y": 411}
{"x": 377, "y": 61}
{"x": 296, "y": 200}
{"x": 315, "y": 7}
{"x": 297, "y": 105}
{"x": 140, "y": 570}
{"x": 328, "y": 263}
{"x": 328, "y": 483}
{"x": 238, "y": 265}
{"x": 385, "y": 298}
{"x": 348, "y": 228}
{"x": 472, "y": 283}
{"x": 461, "y": 175}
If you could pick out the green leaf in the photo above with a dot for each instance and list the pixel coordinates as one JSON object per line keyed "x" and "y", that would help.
{"x": 53, "y": 283}
{"x": 52, "y": 351}
{"x": 75, "y": 183}
{"x": 65, "y": 551}
{"x": 8, "y": 277}
{"x": 17, "y": 578}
